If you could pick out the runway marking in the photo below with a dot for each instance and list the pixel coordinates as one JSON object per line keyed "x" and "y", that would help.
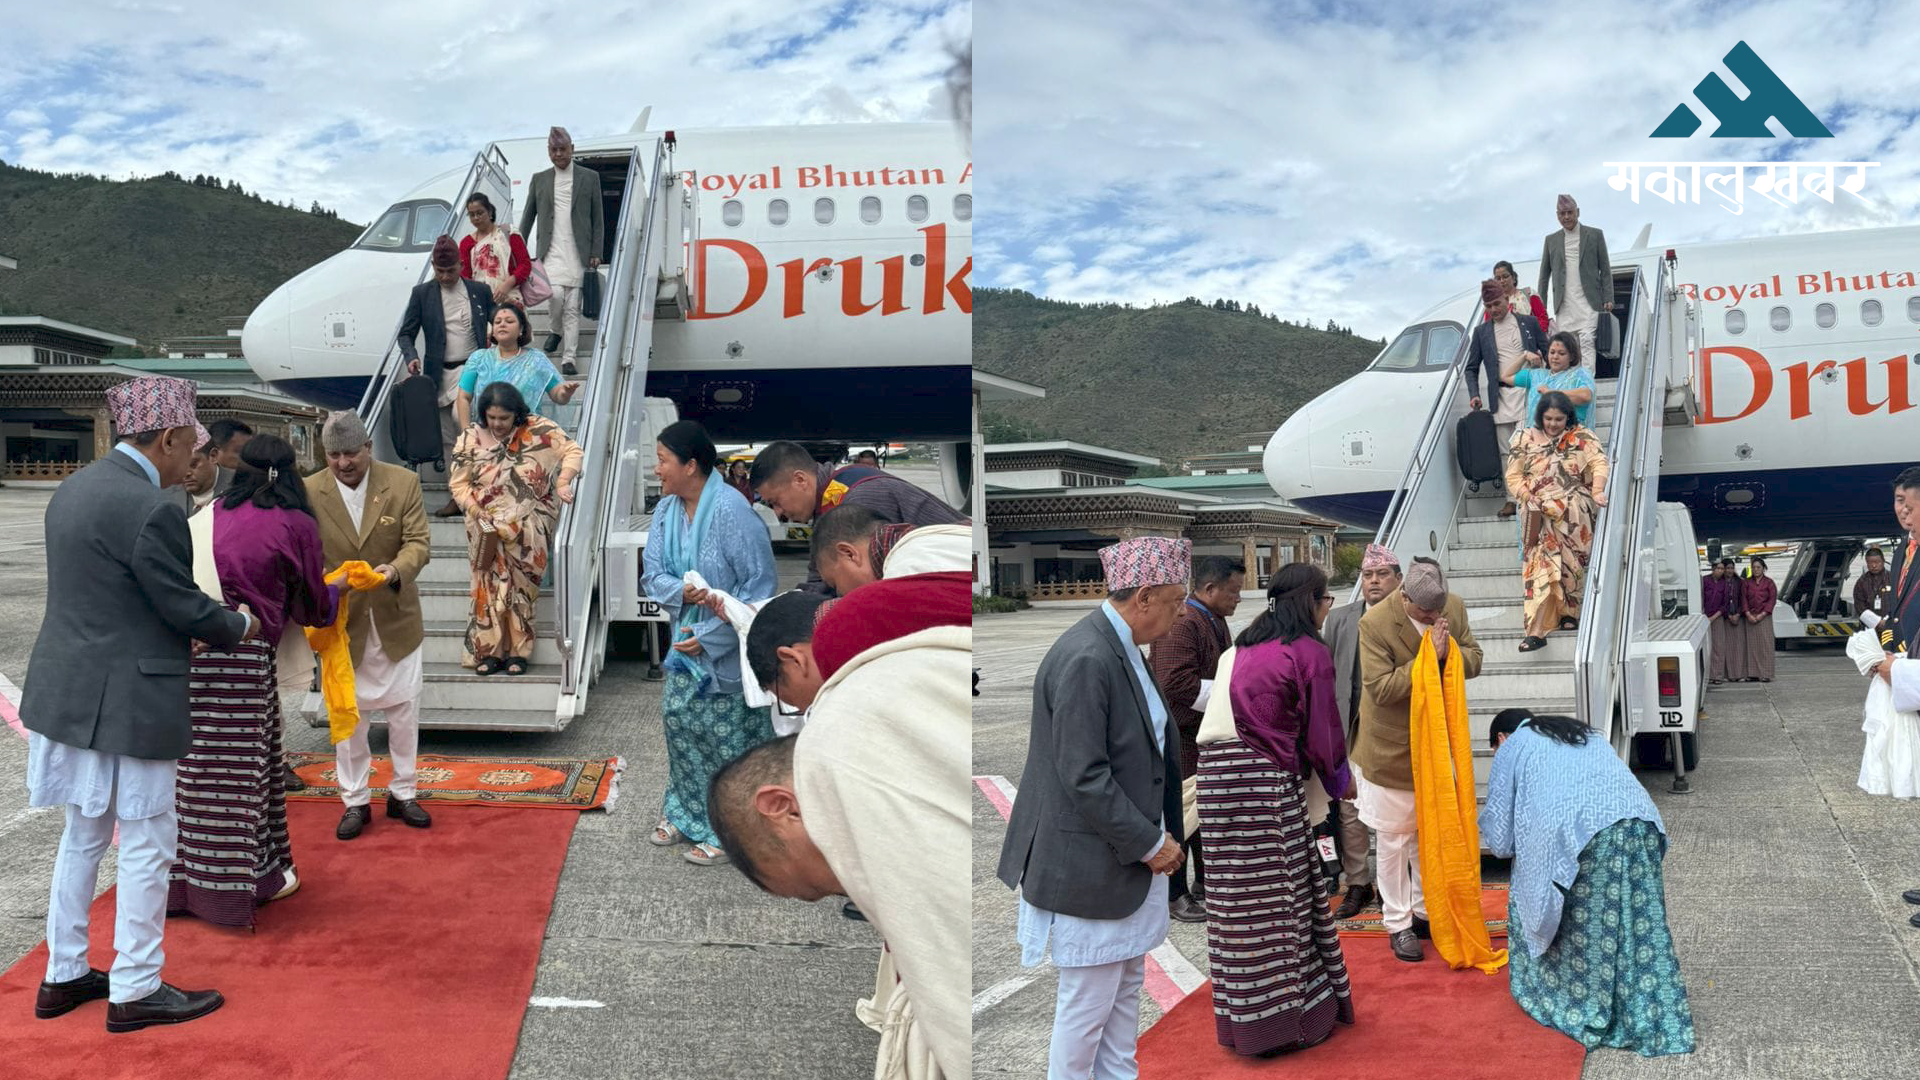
{"x": 999, "y": 992}
{"x": 565, "y": 1003}
{"x": 1170, "y": 975}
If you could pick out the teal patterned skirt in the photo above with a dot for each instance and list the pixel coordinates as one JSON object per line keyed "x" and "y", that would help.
{"x": 1610, "y": 978}
{"x": 704, "y": 733}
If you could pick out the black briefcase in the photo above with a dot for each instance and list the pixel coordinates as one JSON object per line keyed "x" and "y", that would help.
{"x": 414, "y": 421}
{"x": 590, "y": 295}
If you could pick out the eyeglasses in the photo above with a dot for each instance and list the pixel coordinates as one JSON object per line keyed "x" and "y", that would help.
{"x": 1324, "y": 598}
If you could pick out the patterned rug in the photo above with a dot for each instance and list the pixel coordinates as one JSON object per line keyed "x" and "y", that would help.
{"x": 558, "y": 783}
{"x": 1493, "y": 904}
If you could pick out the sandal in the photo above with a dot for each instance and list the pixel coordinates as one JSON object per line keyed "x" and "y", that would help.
{"x": 665, "y": 835}
{"x": 516, "y": 665}
{"x": 487, "y": 666}
{"x": 705, "y": 855}
{"x": 1531, "y": 643}
{"x": 1568, "y": 622}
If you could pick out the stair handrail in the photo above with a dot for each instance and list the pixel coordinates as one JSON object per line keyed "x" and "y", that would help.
{"x": 373, "y": 400}
{"x": 578, "y": 534}
{"x": 1610, "y": 598}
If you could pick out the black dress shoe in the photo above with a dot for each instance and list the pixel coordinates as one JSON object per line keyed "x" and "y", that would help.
{"x": 167, "y": 1005}
{"x": 1356, "y": 901}
{"x": 1911, "y": 896}
{"x": 847, "y": 909}
{"x": 1914, "y": 919}
{"x": 1422, "y": 929}
{"x": 409, "y": 811}
{"x": 1188, "y": 909}
{"x": 294, "y": 783}
{"x": 351, "y": 822}
{"x": 59, "y": 999}
{"x": 1406, "y": 946}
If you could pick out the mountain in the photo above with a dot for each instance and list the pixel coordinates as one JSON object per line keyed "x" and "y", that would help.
{"x": 150, "y": 258}
{"x": 1167, "y": 381}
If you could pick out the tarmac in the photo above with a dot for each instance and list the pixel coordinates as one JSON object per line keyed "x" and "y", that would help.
{"x": 1783, "y": 883}
{"x": 658, "y": 968}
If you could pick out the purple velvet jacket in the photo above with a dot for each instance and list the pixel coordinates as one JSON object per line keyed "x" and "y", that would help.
{"x": 270, "y": 560}
{"x": 1286, "y": 707}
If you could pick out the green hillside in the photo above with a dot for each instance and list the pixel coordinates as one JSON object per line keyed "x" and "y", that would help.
{"x": 1165, "y": 381}
{"x": 149, "y": 258}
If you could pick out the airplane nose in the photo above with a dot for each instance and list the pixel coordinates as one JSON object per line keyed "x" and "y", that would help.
{"x": 1289, "y": 459}
{"x": 267, "y": 338}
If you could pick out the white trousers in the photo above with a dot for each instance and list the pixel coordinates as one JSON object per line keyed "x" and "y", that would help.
{"x": 1096, "y": 1022}
{"x": 353, "y": 758}
{"x": 147, "y": 849}
{"x": 450, "y": 418}
{"x": 563, "y": 317}
{"x": 1398, "y": 876}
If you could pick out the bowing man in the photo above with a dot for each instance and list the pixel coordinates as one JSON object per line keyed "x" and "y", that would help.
{"x": 106, "y": 701}
{"x": 1090, "y": 842}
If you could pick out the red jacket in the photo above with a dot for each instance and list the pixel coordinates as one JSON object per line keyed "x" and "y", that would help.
{"x": 519, "y": 266}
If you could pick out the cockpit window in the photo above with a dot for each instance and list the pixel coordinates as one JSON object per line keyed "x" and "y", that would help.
{"x": 408, "y": 226}
{"x": 1421, "y": 348}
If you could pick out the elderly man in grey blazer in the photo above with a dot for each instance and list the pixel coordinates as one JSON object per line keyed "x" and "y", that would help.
{"x": 106, "y": 701}
{"x": 565, "y": 200}
{"x": 1574, "y": 259}
{"x": 1379, "y": 577}
{"x": 1095, "y": 831}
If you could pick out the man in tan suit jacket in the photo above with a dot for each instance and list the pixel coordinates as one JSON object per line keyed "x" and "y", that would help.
{"x": 1390, "y": 635}
{"x": 371, "y": 511}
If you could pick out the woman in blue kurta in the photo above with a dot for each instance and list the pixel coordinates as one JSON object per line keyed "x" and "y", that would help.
{"x": 702, "y": 524}
{"x": 1563, "y": 373}
{"x": 1591, "y": 954}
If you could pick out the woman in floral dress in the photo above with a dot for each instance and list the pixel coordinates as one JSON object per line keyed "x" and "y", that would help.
{"x": 1557, "y": 473}
{"x": 510, "y": 474}
{"x": 493, "y": 255}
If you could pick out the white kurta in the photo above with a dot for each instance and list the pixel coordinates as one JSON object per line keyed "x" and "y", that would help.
{"x": 1575, "y": 316}
{"x": 563, "y": 254}
{"x": 379, "y": 681}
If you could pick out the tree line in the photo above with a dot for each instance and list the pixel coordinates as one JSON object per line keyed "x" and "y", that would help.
{"x": 1223, "y": 305}
{"x": 202, "y": 180}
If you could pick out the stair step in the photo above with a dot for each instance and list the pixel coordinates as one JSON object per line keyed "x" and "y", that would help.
{"x": 1554, "y": 682}
{"x": 450, "y": 602}
{"x": 1477, "y": 558}
{"x": 444, "y": 639}
{"x": 466, "y": 720}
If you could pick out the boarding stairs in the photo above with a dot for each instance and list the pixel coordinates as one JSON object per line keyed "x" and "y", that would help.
{"x": 1437, "y": 514}
{"x": 645, "y": 278}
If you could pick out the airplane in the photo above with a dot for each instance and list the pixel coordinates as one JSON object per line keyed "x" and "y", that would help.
{"x": 1805, "y": 382}
{"x": 830, "y": 266}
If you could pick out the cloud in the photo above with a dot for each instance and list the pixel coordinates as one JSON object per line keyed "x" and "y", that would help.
{"x": 324, "y": 101}
{"x": 1324, "y": 161}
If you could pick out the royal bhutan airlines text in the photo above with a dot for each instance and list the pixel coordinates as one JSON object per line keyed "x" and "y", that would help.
{"x": 929, "y": 292}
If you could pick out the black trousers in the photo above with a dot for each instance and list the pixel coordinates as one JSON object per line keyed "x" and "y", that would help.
{"x": 1177, "y": 885}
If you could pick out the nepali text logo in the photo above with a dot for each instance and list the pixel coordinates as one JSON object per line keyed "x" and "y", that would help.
{"x": 1767, "y": 99}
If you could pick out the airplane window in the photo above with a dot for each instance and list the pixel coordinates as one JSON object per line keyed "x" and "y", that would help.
{"x": 963, "y": 207}
{"x": 389, "y": 233}
{"x": 731, "y": 213}
{"x": 429, "y": 221}
{"x": 1443, "y": 342}
{"x": 1403, "y": 354}
{"x": 1780, "y": 318}
{"x": 1913, "y": 309}
{"x": 1736, "y": 321}
{"x": 870, "y": 210}
{"x": 823, "y": 211}
{"x": 1825, "y": 316}
{"x": 1870, "y": 312}
{"x": 916, "y": 208}
{"x": 777, "y": 212}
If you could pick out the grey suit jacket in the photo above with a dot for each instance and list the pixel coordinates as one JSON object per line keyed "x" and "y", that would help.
{"x": 1596, "y": 273}
{"x": 1096, "y": 788}
{"x": 589, "y": 216}
{"x": 1342, "y": 634}
{"x": 109, "y": 669}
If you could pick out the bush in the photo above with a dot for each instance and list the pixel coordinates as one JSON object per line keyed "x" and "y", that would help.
{"x": 998, "y": 605}
{"x": 1346, "y": 563}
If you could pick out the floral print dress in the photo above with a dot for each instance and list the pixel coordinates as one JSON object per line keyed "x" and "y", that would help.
{"x": 509, "y": 485}
{"x": 1554, "y": 482}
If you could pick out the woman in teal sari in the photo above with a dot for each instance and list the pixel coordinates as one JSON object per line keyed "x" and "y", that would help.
{"x": 1563, "y": 373}
{"x": 703, "y": 525}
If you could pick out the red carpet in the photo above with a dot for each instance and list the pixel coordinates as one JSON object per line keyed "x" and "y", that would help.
{"x": 1410, "y": 1020}
{"x": 406, "y": 953}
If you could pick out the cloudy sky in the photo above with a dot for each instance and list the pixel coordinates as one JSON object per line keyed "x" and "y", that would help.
{"x": 352, "y": 103}
{"x": 1363, "y": 161}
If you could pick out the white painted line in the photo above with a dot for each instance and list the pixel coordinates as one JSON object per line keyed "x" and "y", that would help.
{"x": 1183, "y": 974}
{"x": 565, "y": 1003}
{"x": 999, "y": 992}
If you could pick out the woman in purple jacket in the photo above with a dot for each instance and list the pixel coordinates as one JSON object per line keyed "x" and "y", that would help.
{"x": 1279, "y": 979}
{"x": 233, "y": 848}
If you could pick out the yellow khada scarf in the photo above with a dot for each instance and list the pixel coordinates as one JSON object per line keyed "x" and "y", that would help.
{"x": 1449, "y": 829}
{"x": 329, "y": 643}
